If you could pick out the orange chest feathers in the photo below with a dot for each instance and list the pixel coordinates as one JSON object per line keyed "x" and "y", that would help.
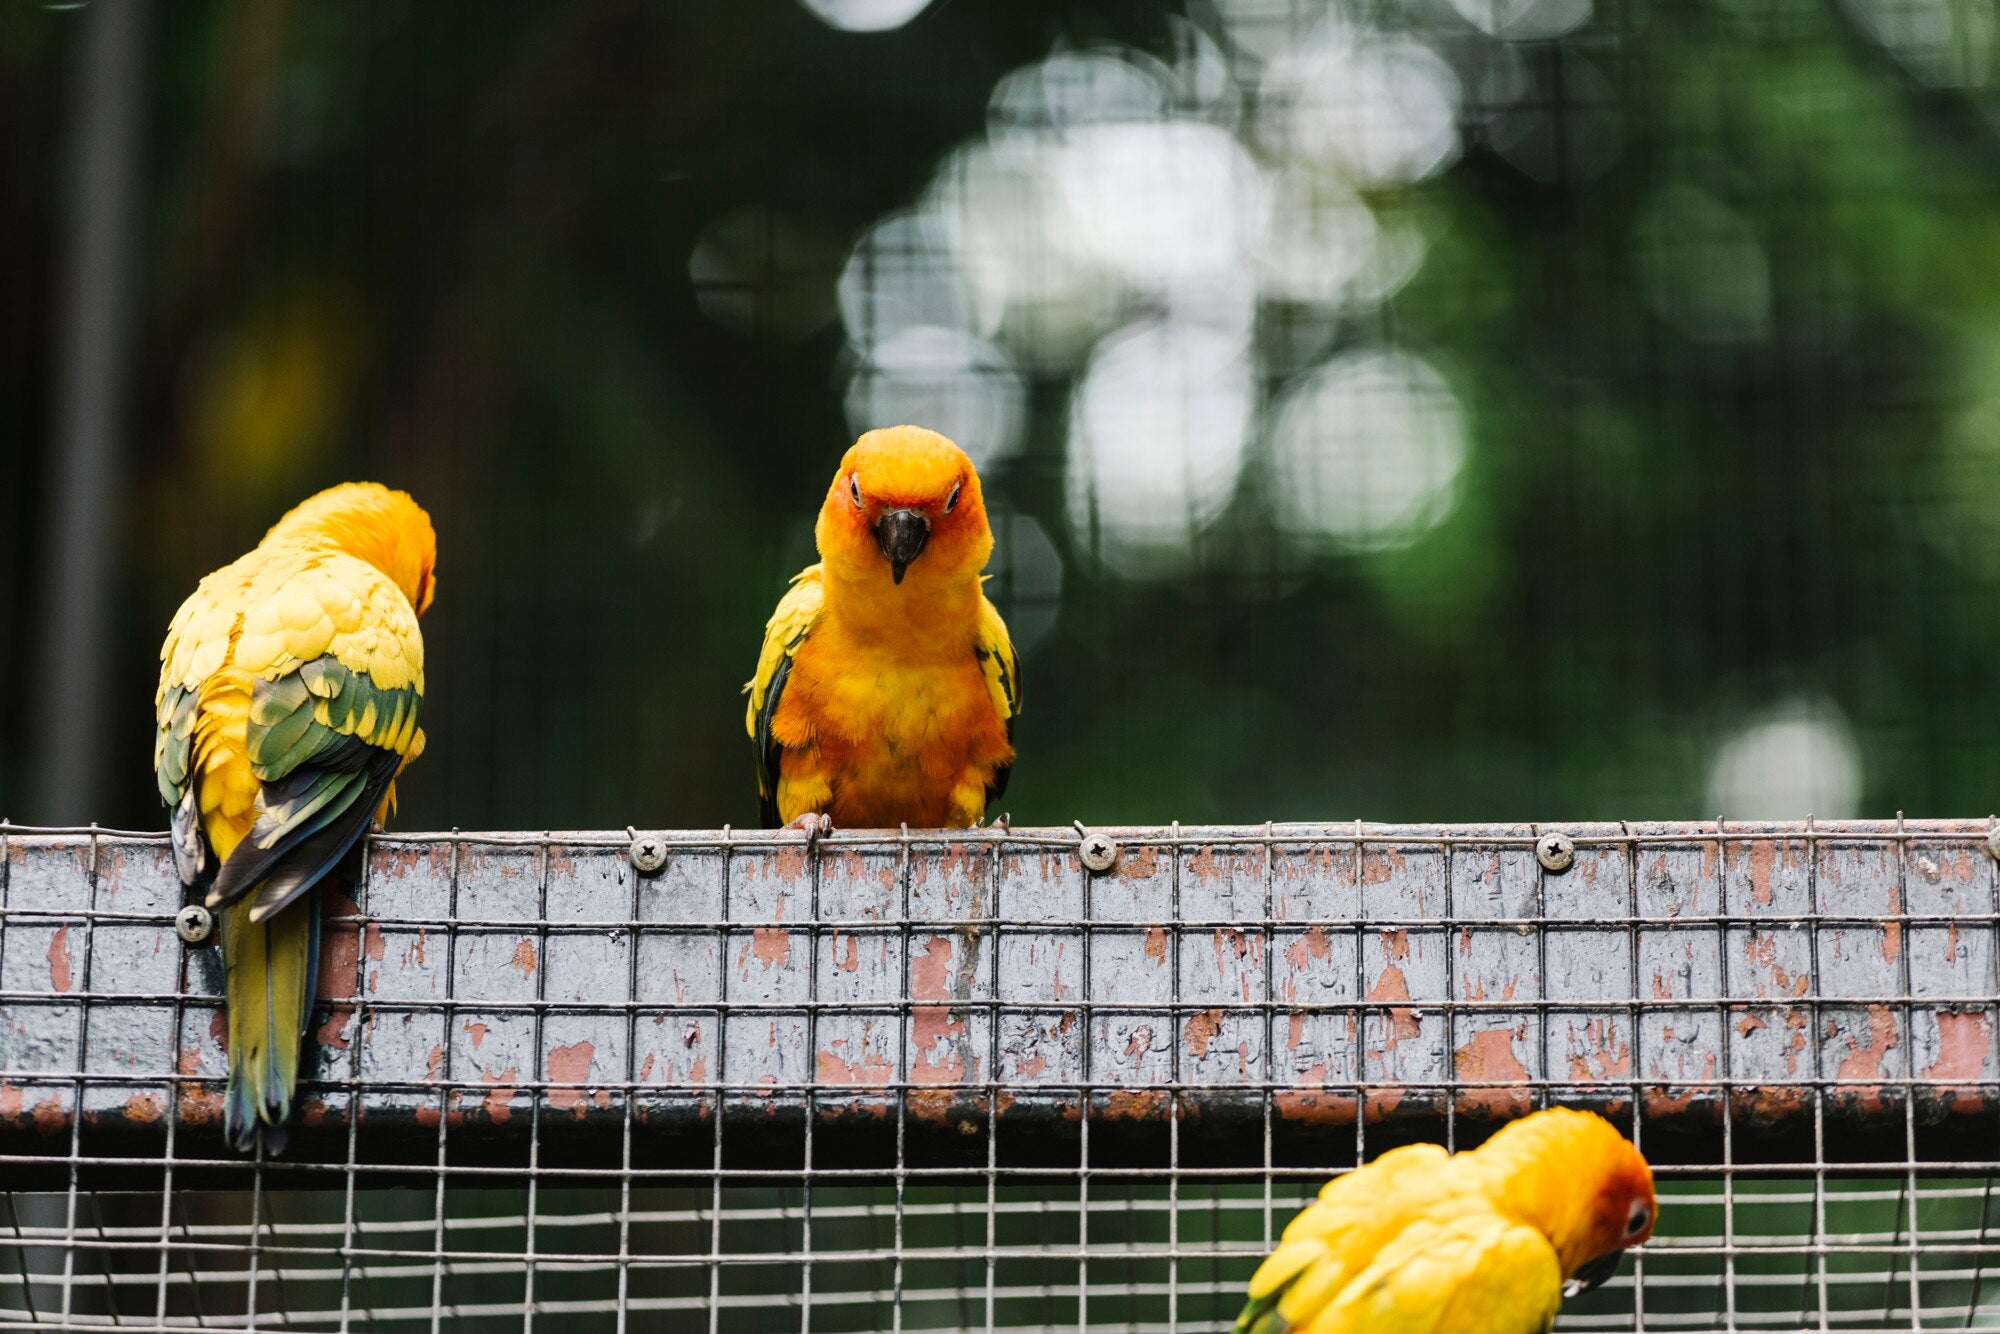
{"x": 896, "y": 741}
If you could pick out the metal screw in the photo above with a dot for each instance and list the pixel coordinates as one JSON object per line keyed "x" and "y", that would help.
{"x": 1099, "y": 854}
{"x": 648, "y": 853}
{"x": 194, "y": 923}
{"x": 1556, "y": 852}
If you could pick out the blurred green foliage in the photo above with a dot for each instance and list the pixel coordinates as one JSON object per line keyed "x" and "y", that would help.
{"x": 1730, "y": 395}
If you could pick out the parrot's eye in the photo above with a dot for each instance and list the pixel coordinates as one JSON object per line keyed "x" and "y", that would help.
{"x": 951, "y": 499}
{"x": 854, "y": 488}
{"x": 1639, "y": 1219}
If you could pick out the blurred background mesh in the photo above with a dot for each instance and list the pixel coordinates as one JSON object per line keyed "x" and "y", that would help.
{"x": 1482, "y": 409}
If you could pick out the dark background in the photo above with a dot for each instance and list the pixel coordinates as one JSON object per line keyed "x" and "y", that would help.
{"x": 1647, "y": 436}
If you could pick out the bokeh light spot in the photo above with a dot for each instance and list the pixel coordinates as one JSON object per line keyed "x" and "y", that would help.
{"x": 902, "y": 273}
{"x": 1379, "y": 109}
{"x": 865, "y": 15}
{"x": 944, "y": 379}
{"x": 1158, "y": 429}
{"x": 1800, "y": 758}
{"x": 1366, "y": 451}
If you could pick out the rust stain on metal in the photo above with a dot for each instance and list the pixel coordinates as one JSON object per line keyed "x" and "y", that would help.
{"x": 434, "y": 1064}
{"x": 500, "y": 1102}
{"x": 1314, "y": 1108}
{"x": 931, "y": 971}
{"x": 936, "y": 1029}
{"x": 59, "y": 963}
{"x": 49, "y": 1116}
{"x": 1135, "y": 1105}
{"x": 770, "y": 945}
{"x": 475, "y": 1031}
{"x": 1763, "y": 858}
{"x": 850, "y": 962}
{"x": 1892, "y": 932}
{"x": 1312, "y": 945}
{"x": 1202, "y": 1026}
{"x": 872, "y": 1067}
{"x": 1762, "y": 949}
{"x": 1381, "y": 865}
{"x": 332, "y": 1031}
{"x": 1489, "y": 1059}
{"x": 1156, "y": 943}
{"x": 1965, "y": 1040}
{"x": 413, "y": 957}
{"x": 199, "y": 1104}
{"x": 10, "y": 1102}
{"x": 942, "y": 1108}
{"x": 1139, "y": 863}
{"x": 1381, "y": 1103}
{"x": 1659, "y": 1104}
{"x": 1769, "y": 1106}
{"x": 375, "y": 947}
{"x": 1863, "y": 1062}
{"x": 339, "y": 964}
{"x": 524, "y": 957}
{"x": 1403, "y": 1024}
{"x": 313, "y": 1112}
{"x": 1603, "y": 1057}
{"x": 569, "y": 1065}
{"x": 428, "y": 1115}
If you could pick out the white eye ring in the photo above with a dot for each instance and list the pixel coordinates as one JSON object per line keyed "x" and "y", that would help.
{"x": 1638, "y": 1220}
{"x": 854, "y": 488}
{"x": 952, "y": 499}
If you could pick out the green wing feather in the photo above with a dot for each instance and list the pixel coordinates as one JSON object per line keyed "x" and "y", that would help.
{"x": 325, "y": 742}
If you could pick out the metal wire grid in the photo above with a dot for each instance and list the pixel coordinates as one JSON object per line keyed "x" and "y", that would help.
{"x": 1852, "y": 1195}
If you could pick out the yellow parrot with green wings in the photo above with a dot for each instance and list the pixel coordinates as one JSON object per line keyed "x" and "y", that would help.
{"x": 291, "y": 683}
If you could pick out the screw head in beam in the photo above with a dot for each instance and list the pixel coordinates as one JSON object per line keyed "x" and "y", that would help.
{"x": 1556, "y": 852}
{"x": 648, "y": 853}
{"x": 1098, "y": 853}
{"x": 194, "y": 924}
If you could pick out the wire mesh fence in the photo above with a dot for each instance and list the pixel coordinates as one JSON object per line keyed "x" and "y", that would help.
{"x": 924, "y": 1081}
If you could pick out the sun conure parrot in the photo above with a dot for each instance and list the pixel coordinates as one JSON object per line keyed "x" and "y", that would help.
{"x": 290, "y": 686}
{"x": 887, "y": 687}
{"x": 1483, "y": 1242}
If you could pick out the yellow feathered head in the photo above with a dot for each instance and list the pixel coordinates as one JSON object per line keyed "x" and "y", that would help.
{"x": 367, "y": 520}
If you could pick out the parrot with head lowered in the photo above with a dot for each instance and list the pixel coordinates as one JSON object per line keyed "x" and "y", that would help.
{"x": 887, "y": 688}
{"x": 290, "y": 686}
{"x": 1488, "y": 1241}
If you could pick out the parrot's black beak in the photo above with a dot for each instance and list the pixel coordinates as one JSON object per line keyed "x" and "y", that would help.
{"x": 901, "y": 534}
{"x": 1593, "y": 1274}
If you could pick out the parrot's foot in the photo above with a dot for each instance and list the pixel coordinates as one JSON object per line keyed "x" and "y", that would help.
{"x": 814, "y": 825}
{"x": 1001, "y": 822}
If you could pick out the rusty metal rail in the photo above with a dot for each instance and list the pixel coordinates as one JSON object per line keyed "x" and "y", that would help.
{"x": 1215, "y": 995}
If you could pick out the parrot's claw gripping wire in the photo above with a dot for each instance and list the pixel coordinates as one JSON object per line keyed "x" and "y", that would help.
{"x": 814, "y": 825}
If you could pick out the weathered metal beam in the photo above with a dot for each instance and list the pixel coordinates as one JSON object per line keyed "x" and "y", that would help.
{"x": 1237, "y": 988}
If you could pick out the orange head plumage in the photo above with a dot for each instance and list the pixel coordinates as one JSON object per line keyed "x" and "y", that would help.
{"x": 369, "y": 521}
{"x": 1584, "y": 1185}
{"x": 905, "y": 503}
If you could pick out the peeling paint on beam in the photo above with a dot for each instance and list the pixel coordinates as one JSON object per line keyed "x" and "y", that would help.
{"x": 480, "y": 988}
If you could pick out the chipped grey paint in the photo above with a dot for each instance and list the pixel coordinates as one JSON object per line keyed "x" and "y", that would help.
{"x": 502, "y": 984}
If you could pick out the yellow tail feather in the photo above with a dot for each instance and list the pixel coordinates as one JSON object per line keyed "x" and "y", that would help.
{"x": 270, "y": 975}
